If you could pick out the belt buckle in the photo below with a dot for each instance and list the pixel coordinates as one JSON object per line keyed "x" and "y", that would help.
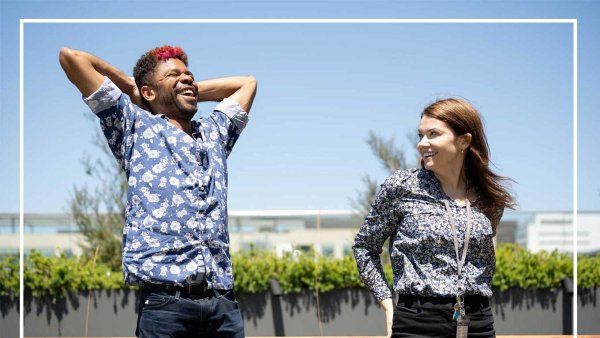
{"x": 197, "y": 289}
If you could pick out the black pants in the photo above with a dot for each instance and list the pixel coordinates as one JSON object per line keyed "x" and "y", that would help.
{"x": 416, "y": 316}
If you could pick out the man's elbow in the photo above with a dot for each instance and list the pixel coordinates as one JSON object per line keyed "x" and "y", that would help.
{"x": 251, "y": 84}
{"x": 251, "y": 79}
{"x": 66, "y": 56}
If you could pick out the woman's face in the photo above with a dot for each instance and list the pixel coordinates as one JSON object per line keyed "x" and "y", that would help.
{"x": 438, "y": 147}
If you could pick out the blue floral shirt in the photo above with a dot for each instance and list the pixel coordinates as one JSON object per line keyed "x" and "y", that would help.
{"x": 176, "y": 216}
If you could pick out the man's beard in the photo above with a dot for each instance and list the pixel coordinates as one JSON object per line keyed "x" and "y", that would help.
{"x": 176, "y": 107}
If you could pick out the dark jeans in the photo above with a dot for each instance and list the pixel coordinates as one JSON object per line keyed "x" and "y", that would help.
{"x": 432, "y": 317}
{"x": 163, "y": 314}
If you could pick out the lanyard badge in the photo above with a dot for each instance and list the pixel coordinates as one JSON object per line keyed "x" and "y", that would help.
{"x": 459, "y": 308}
{"x": 460, "y": 316}
{"x": 462, "y": 327}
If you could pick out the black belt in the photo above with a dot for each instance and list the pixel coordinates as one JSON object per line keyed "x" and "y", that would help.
{"x": 470, "y": 300}
{"x": 196, "y": 290}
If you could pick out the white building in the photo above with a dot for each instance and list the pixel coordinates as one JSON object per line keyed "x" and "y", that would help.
{"x": 588, "y": 232}
{"x": 328, "y": 232}
{"x": 550, "y": 230}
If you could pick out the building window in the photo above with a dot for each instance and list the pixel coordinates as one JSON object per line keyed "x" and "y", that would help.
{"x": 348, "y": 250}
{"x": 254, "y": 245}
{"x": 306, "y": 248}
{"x": 327, "y": 250}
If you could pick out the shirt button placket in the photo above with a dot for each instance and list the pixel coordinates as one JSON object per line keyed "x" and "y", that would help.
{"x": 200, "y": 186}
{"x": 199, "y": 231}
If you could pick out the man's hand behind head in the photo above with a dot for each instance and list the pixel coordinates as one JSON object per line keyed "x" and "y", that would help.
{"x": 135, "y": 95}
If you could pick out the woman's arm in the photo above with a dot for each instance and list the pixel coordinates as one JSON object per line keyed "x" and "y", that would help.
{"x": 379, "y": 225}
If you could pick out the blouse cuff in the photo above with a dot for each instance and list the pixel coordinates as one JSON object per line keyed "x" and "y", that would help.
{"x": 382, "y": 294}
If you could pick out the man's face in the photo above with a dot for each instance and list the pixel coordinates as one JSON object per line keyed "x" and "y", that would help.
{"x": 175, "y": 89}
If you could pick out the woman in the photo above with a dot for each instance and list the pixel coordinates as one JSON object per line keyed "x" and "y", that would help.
{"x": 442, "y": 287}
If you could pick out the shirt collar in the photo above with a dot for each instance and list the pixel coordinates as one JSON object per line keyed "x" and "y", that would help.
{"x": 439, "y": 192}
{"x": 196, "y": 127}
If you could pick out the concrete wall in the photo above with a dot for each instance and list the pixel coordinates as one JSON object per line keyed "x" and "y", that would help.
{"x": 343, "y": 312}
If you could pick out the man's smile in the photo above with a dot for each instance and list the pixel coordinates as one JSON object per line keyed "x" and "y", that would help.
{"x": 188, "y": 91}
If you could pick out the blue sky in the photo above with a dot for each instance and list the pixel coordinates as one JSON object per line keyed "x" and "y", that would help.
{"x": 322, "y": 87}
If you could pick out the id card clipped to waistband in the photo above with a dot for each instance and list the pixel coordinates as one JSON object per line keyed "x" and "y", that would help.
{"x": 462, "y": 327}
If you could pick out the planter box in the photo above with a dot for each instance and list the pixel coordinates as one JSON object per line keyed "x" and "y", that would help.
{"x": 537, "y": 311}
{"x": 9, "y": 317}
{"x": 348, "y": 312}
{"x": 588, "y": 311}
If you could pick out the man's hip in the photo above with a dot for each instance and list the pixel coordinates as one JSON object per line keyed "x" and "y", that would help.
{"x": 191, "y": 311}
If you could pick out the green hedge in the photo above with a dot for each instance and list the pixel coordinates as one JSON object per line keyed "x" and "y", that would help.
{"x": 58, "y": 275}
{"x": 518, "y": 267}
{"x": 254, "y": 269}
{"x": 588, "y": 272}
{"x": 515, "y": 267}
{"x": 9, "y": 275}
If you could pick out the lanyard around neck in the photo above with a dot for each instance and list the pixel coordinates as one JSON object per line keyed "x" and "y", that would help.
{"x": 460, "y": 261}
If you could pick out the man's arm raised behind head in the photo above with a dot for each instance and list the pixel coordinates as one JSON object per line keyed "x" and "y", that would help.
{"x": 80, "y": 70}
{"x": 241, "y": 89}
{"x": 87, "y": 72}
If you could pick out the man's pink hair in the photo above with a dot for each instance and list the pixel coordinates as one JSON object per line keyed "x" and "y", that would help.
{"x": 169, "y": 52}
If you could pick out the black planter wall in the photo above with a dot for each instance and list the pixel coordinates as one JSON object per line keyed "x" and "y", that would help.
{"x": 342, "y": 312}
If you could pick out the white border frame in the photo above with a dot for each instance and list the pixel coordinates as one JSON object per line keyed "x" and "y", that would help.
{"x": 22, "y": 23}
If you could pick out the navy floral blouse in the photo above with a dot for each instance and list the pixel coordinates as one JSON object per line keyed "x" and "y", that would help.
{"x": 409, "y": 210}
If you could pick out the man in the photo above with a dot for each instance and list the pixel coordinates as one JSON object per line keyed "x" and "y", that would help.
{"x": 175, "y": 240}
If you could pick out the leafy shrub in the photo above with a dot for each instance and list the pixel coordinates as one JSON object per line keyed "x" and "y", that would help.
{"x": 588, "y": 271}
{"x": 58, "y": 275}
{"x": 9, "y": 275}
{"x": 515, "y": 267}
{"x": 254, "y": 269}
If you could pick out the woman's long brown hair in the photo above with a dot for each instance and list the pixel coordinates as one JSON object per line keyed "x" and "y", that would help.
{"x": 463, "y": 118}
